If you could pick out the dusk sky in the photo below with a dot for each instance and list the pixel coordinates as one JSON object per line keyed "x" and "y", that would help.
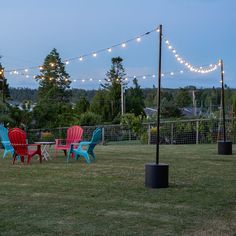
{"x": 202, "y": 32}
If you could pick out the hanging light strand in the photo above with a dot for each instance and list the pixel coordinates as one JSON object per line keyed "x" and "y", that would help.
{"x": 196, "y": 69}
{"x": 93, "y": 53}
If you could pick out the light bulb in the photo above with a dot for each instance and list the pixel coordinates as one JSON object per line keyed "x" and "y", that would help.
{"x": 109, "y": 49}
{"x": 138, "y": 39}
{"x": 123, "y": 45}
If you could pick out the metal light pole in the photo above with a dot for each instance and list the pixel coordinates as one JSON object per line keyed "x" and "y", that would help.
{"x": 223, "y": 96}
{"x": 159, "y": 96}
{"x": 156, "y": 174}
{"x": 224, "y": 146}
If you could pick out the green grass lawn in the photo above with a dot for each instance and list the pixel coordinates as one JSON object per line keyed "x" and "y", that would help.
{"x": 108, "y": 197}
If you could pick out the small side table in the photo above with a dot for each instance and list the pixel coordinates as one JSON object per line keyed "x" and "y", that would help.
{"x": 45, "y": 148}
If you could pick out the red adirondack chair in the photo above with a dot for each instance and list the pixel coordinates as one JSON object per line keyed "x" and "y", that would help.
{"x": 73, "y": 135}
{"x": 18, "y": 141}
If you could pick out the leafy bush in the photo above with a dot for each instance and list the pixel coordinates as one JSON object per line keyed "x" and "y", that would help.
{"x": 144, "y": 138}
{"x": 47, "y": 136}
{"x": 90, "y": 118}
{"x": 133, "y": 122}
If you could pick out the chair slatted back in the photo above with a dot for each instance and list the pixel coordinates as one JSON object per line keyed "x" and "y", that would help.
{"x": 18, "y": 141}
{"x": 4, "y": 133}
{"x": 74, "y": 134}
{"x": 97, "y": 136}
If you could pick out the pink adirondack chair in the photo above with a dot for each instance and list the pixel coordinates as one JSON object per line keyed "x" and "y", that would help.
{"x": 18, "y": 140}
{"x": 73, "y": 135}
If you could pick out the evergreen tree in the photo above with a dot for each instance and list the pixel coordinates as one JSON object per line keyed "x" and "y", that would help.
{"x": 53, "y": 108}
{"x": 4, "y": 86}
{"x": 115, "y": 79}
{"x": 101, "y": 105}
{"x": 82, "y": 106}
{"x": 5, "y": 94}
{"x": 183, "y": 98}
{"x": 135, "y": 99}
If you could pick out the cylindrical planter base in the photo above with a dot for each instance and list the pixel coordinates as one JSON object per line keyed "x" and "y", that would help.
{"x": 225, "y": 148}
{"x": 156, "y": 175}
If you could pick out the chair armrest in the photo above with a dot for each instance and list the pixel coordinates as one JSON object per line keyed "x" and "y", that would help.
{"x": 6, "y": 142}
{"x": 84, "y": 143}
{"x": 58, "y": 141}
{"x": 34, "y": 144}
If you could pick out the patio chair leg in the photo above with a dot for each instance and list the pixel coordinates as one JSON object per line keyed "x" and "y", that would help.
{"x": 14, "y": 159}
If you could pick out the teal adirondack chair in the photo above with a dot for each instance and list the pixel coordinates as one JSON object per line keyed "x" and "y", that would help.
{"x": 5, "y": 141}
{"x": 85, "y": 149}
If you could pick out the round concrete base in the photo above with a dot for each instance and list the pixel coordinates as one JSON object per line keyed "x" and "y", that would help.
{"x": 156, "y": 175}
{"x": 225, "y": 148}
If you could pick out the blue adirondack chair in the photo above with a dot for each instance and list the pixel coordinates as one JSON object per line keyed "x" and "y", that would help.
{"x": 85, "y": 149}
{"x": 5, "y": 141}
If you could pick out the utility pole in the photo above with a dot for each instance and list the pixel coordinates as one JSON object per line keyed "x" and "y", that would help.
{"x": 122, "y": 98}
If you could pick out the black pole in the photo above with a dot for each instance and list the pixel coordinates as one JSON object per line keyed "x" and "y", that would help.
{"x": 223, "y": 97}
{"x": 157, "y": 174}
{"x": 159, "y": 96}
{"x": 224, "y": 147}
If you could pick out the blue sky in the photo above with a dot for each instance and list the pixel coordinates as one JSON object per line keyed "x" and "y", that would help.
{"x": 202, "y": 31}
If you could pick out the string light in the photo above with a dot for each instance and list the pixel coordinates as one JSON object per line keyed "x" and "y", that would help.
{"x": 127, "y": 79}
{"x": 189, "y": 66}
{"x": 138, "y": 39}
{"x": 94, "y": 53}
{"x": 180, "y": 59}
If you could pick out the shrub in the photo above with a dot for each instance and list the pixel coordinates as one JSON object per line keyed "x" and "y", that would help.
{"x": 144, "y": 138}
{"x": 47, "y": 136}
{"x": 89, "y": 118}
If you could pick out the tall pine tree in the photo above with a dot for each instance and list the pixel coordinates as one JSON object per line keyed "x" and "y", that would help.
{"x": 53, "y": 108}
{"x": 135, "y": 99}
{"x": 115, "y": 79}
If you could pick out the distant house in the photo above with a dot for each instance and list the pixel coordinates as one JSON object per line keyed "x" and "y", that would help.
{"x": 189, "y": 112}
{"x": 21, "y": 105}
{"x": 149, "y": 111}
